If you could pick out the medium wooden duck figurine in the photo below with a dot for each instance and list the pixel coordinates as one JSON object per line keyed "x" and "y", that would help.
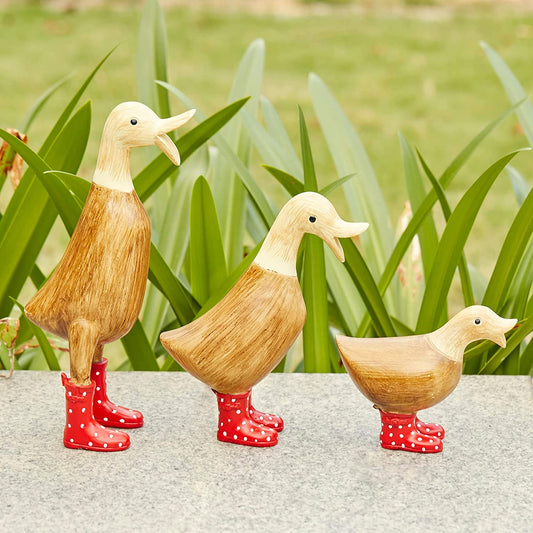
{"x": 94, "y": 295}
{"x": 403, "y": 375}
{"x": 241, "y": 339}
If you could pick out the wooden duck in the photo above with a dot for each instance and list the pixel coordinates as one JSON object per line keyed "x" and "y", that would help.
{"x": 403, "y": 375}
{"x": 241, "y": 339}
{"x": 94, "y": 295}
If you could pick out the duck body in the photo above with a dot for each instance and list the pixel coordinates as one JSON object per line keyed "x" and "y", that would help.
{"x": 256, "y": 323}
{"x": 400, "y": 374}
{"x": 102, "y": 275}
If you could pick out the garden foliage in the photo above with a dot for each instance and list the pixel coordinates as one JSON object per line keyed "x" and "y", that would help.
{"x": 209, "y": 218}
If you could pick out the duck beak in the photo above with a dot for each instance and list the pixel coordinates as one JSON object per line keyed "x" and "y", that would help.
{"x": 340, "y": 230}
{"x": 164, "y": 142}
{"x": 507, "y": 325}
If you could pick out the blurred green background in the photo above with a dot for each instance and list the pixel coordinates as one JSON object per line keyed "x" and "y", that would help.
{"x": 414, "y": 67}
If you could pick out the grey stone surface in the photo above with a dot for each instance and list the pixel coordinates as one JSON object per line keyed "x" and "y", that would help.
{"x": 327, "y": 473}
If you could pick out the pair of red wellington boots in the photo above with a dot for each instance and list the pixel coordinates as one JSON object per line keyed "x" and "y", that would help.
{"x": 407, "y": 432}
{"x": 239, "y": 422}
{"x": 90, "y": 414}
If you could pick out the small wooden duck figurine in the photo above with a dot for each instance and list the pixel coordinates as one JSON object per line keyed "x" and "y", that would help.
{"x": 240, "y": 340}
{"x": 95, "y": 294}
{"x": 403, "y": 375}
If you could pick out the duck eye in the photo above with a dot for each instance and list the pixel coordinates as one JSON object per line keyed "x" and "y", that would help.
{"x": 312, "y": 219}
{"x": 477, "y": 321}
{"x": 133, "y": 121}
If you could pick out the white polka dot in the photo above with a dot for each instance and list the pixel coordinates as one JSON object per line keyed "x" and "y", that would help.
{"x": 90, "y": 443}
{"x": 390, "y": 427}
{"x": 268, "y": 439}
{"x": 431, "y": 441}
{"x": 262, "y": 432}
{"x": 400, "y": 427}
{"x": 121, "y": 421}
{"x": 97, "y": 388}
{"x": 229, "y": 419}
{"x": 70, "y": 410}
{"x": 423, "y": 449}
{"x": 418, "y": 425}
{"x": 221, "y": 400}
{"x": 221, "y": 424}
{"x": 111, "y": 435}
{"x": 105, "y": 444}
{"x": 114, "y": 411}
{"x": 401, "y": 436}
{"x": 69, "y": 393}
{"x": 71, "y": 440}
{"x": 381, "y": 433}
{"x": 245, "y": 438}
{"x": 408, "y": 425}
{"x": 438, "y": 433}
{"x": 238, "y": 428}
{"x": 82, "y": 426}
{"x": 98, "y": 373}
{"x": 135, "y": 417}
{"x": 233, "y": 399}
{"x": 251, "y": 429}
{"x": 96, "y": 434}
{"x": 238, "y": 411}
{"x": 390, "y": 434}
{"x": 436, "y": 447}
{"x": 235, "y": 437}
{"x": 105, "y": 419}
{"x": 255, "y": 440}
{"x": 413, "y": 445}
{"x": 243, "y": 422}
{"x": 83, "y": 410}
{"x": 69, "y": 425}
{"x": 419, "y": 438}
{"x": 120, "y": 444}
{"x": 84, "y": 394}
{"x": 251, "y": 412}
{"x": 427, "y": 429}
{"x": 393, "y": 443}
{"x": 270, "y": 418}
{"x": 99, "y": 401}
{"x": 276, "y": 425}
{"x": 225, "y": 434}
{"x": 412, "y": 432}
{"x": 403, "y": 445}
{"x": 260, "y": 418}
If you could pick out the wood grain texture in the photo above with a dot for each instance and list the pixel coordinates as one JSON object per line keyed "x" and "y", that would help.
{"x": 239, "y": 341}
{"x": 399, "y": 374}
{"x": 102, "y": 276}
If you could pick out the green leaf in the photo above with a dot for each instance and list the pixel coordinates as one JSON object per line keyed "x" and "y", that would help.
{"x": 328, "y": 189}
{"x": 511, "y": 253}
{"x": 451, "y": 246}
{"x": 516, "y": 93}
{"x": 362, "y": 277}
{"x": 464, "y": 273}
{"x": 316, "y": 341}
{"x": 208, "y": 263}
{"x": 30, "y": 213}
{"x": 155, "y": 173}
{"x": 138, "y": 349}
{"x": 48, "y": 352}
{"x": 521, "y": 187}
{"x": 427, "y": 233}
{"x": 291, "y": 184}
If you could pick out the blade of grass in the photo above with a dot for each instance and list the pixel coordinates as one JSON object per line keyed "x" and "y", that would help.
{"x": 452, "y": 244}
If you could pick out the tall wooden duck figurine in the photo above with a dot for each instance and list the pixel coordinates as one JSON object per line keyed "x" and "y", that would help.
{"x": 240, "y": 340}
{"x": 95, "y": 294}
{"x": 403, "y": 375}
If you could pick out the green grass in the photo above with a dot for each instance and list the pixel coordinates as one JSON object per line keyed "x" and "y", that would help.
{"x": 426, "y": 78}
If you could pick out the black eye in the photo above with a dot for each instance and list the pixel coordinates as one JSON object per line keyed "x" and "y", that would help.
{"x": 312, "y": 219}
{"x": 477, "y": 321}
{"x": 133, "y": 121}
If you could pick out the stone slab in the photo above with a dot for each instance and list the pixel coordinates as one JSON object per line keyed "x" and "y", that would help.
{"x": 327, "y": 473}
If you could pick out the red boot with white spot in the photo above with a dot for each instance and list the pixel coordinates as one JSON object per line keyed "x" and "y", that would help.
{"x": 266, "y": 419}
{"x": 82, "y": 431}
{"x": 105, "y": 411}
{"x": 236, "y": 425}
{"x": 399, "y": 432}
{"x": 435, "y": 430}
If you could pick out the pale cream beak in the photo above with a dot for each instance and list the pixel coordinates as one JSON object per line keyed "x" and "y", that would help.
{"x": 343, "y": 229}
{"x": 507, "y": 325}
{"x": 164, "y": 142}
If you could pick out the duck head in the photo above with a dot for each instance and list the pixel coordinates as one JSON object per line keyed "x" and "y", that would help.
{"x": 474, "y": 323}
{"x": 480, "y": 322}
{"x": 308, "y": 212}
{"x": 130, "y": 125}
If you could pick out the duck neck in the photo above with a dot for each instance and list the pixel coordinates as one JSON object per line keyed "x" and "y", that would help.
{"x": 451, "y": 340}
{"x": 280, "y": 249}
{"x": 113, "y": 166}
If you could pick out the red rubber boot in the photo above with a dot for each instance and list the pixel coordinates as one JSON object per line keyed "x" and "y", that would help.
{"x": 81, "y": 429}
{"x": 435, "y": 430}
{"x": 399, "y": 432}
{"x": 105, "y": 411}
{"x": 236, "y": 425}
{"x": 266, "y": 419}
